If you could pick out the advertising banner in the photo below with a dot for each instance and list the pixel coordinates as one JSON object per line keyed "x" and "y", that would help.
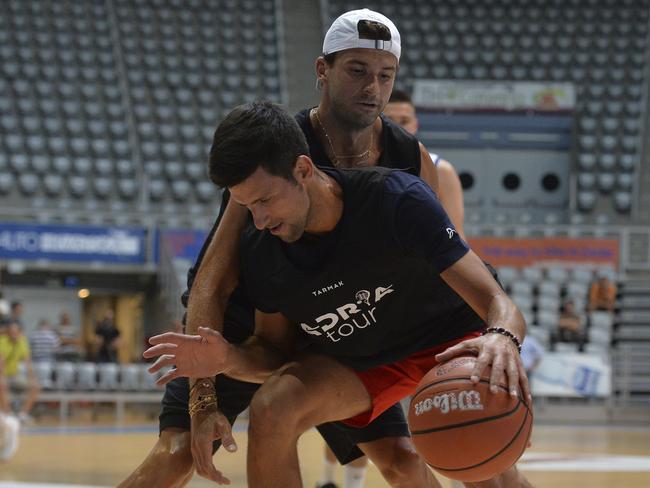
{"x": 572, "y": 375}
{"x": 72, "y": 243}
{"x": 474, "y": 95}
{"x": 564, "y": 251}
{"x": 183, "y": 243}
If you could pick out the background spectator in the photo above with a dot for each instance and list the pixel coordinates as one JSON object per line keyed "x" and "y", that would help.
{"x": 107, "y": 337}
{"x": 16, "y": 313}
{"x": 570, "y": 324}
{"x": 70, "y": 339}
{"x": 602, "y": 295}
{"x": 44, "y": 342}
{"x": 14, "y": 350}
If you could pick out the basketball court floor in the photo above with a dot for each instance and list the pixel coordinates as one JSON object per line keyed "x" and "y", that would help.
{"x": 100, "y": 456}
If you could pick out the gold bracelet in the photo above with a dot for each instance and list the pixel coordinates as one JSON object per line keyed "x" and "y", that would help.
{"x": 202, "y": 404}
{"x": 203, "y": 382}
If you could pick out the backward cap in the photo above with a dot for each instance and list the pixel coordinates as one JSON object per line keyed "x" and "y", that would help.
{"x": 347, "y": 32}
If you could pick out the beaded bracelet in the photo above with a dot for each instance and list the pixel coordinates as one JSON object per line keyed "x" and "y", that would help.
{"x": 505, "y": 332}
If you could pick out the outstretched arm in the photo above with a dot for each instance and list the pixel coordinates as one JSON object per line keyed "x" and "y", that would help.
{"x": 208, "y": 353}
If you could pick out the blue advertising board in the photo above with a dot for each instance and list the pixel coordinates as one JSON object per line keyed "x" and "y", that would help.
{"x": 76, "y": 243}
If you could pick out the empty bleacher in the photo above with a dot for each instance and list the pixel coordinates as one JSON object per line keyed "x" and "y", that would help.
{"x": 107, "y": 109}
{"x": 67, "y": 383}
{"x": 600, "y": 46}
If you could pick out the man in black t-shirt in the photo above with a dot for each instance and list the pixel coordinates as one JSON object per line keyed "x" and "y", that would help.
{"x": 359, "y": 280}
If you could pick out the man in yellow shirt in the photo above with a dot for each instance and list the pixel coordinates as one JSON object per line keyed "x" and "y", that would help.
{"x": 14, "y": 349}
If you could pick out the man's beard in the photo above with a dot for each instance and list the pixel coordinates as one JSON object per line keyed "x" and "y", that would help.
{"x": 353, "y": 121}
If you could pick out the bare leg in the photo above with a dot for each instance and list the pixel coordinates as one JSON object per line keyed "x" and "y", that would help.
{"x": 32, "y": 395}
{"x": 4, "y": 395}
{"x": 399, "y": 463}
{"x": 296, "y": 398}
{"x": 169, "y": 463}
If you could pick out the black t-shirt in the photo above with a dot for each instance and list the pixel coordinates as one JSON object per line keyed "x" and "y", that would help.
{"x": 369, "y": 292}
{"x": 399, "y": 150}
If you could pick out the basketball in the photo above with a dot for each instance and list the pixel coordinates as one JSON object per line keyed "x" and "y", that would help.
{"x": 461, "y": 429}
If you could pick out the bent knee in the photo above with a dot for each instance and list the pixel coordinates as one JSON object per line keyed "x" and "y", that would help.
{"x": 276, "y": 405}
{"x": 403, "y": 466}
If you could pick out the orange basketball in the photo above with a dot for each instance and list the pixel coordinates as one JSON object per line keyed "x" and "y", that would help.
{"x": 461, "y": 429}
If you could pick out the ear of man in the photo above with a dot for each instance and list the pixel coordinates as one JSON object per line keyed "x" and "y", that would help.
{"x": 321, "y": 70}
{"x": 303, "y": 169}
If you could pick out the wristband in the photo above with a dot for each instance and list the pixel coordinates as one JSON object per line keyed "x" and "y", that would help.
{"x": 504, "y": 332}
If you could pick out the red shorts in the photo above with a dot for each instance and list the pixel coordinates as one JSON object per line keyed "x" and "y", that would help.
{"x": 389, "y": 383}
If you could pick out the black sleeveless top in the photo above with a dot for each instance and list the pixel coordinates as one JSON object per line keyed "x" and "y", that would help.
{"x": 363, "y": 300}
{"x": 399, "y": 150}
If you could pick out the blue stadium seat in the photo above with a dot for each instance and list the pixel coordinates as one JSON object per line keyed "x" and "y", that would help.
{"x": 623, "y": 201}
{"x": 157, "y": 189}
{"x": 586, "y": 200}
{"x": 102, "y": 187}
{"x": 53, "y": 185}
{"x": 7, "y": 182}
{"x": 606, "y": 182}
{"x": 127, "y": 188}
{"x": 78, "y": 186}
{"x": 624, "y": 181}
{"x": 586, "y": 181}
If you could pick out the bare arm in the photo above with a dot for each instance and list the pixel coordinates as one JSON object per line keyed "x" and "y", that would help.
{"x": 261, "y": 354}
{"x": 428, "y": 170}
{"x": 473, "y": 282}
{"x": 451, "y": 194}
{"x": 209, "y": 354}
{"x": 445, "y": 182}
{"x": 218, "y": 273}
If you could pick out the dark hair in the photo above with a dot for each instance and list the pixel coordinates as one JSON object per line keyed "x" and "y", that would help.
{"x": 15, "y": 304}
{"x": 400, "y": 96}
{"x": 330, "y": 58}
{"x": 253, "y": 135}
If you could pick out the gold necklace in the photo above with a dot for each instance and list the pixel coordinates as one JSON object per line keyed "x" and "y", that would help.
{"x": 336, "y": 161}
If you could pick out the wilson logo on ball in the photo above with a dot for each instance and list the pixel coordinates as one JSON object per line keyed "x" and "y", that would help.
{"x": 446, "y": 402}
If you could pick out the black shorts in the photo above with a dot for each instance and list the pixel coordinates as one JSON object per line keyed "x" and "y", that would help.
{"x": 235, "y": 396}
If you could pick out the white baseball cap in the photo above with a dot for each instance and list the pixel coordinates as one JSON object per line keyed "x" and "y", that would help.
{"x": 350, "y": 31}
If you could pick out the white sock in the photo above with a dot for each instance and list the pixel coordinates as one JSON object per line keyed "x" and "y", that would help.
{"x": 354, "y": 477}
{"x": 328, "y": 472}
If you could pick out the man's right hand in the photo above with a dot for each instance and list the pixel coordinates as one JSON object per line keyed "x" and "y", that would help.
{"x": 208, "y": 426}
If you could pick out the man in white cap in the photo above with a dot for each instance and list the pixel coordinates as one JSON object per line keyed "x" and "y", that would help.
{"x": 356, "y": 74}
